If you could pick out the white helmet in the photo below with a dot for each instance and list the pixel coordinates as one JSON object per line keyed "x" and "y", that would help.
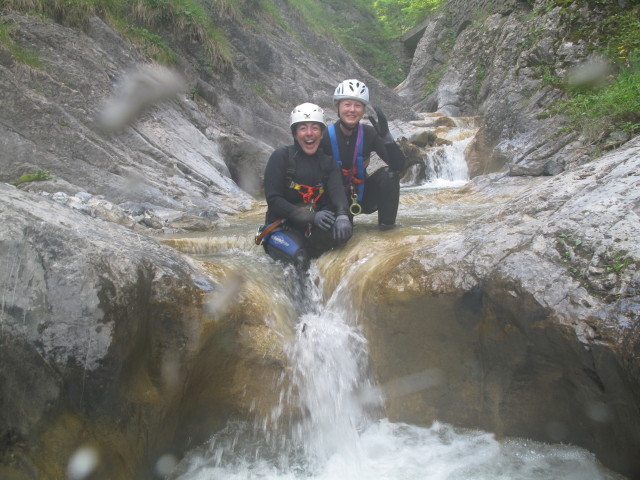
{"x": 353, "y": 89}
{"x": 307, "y": 112}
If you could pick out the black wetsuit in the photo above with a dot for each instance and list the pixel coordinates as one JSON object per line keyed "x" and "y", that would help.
{"x": 382, "y": 188}
{"x": 288, "y": 164}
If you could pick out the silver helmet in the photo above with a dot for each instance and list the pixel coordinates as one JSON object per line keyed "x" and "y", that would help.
{"x": 351, "y": 89}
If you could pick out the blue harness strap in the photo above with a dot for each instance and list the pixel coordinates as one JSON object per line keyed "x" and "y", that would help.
{"x": 334, "y": 144}
{"x": 357, "y": 160}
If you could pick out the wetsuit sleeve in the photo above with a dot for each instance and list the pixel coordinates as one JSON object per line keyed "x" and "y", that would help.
{"x": 335, "y": 188}
{"x": 390, "y": 153}
{"x": 275, "y": 189}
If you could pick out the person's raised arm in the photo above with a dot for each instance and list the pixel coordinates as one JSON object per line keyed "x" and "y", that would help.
{"x": 385, "y": 145}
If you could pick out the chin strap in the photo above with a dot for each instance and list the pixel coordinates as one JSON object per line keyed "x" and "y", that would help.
{"x": 351, "y": 129}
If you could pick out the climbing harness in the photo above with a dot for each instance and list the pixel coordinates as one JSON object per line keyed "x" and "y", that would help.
{"x": 354, "y": 185}
{"x": 308, "y": 198}
{"x": 355, "y": 208}
{"x": 308, "y": 193}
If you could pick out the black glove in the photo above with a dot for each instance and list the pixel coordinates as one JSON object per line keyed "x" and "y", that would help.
{"x": 381, "y": 126}
{"x": 342, "y": 229}
{"x": 324, "y": 219}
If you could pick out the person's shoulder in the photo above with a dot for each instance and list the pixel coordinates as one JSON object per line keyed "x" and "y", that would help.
{"x": 278, "y": 157}
{"x": 326, "y": 159}
{"x": 281, "y": 152}
{"x": 334, "y": 126}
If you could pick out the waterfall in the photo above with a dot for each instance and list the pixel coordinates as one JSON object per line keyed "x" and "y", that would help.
{"x": 329, "y": 423}
{"x": 327, "y": 400}
{"x": 330, "y": 390}
{"x": 447, "y": 163}
{"x": 443, "y": 164}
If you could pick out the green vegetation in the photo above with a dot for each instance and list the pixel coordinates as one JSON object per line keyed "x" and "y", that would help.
{"x": 153, "y": 45}
{"x": 368, "y": 40}
{"x": 619, "y": 262}
{"x": 20, "y": 54}
{"x": 614, "y": 105}
{"x": 601, "y": 274}
{"x": 37, "y": 176}
{"x": 433, "y": 79}
{"x": 155, "y": 25}
{"x": 398, "y": 16}
{"x": 145, "y": 22}
{"x": 371, "y": 40}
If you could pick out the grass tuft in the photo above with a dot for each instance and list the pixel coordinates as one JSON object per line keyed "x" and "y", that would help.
{"x": 145, "y": 22}
{"x": 37, "y": 176}
{"x": 19, "y": 54}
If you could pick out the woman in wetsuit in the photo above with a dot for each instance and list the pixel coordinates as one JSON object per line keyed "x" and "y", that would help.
{"x": 351, "y": 142}
{"x": 307, "y": 210}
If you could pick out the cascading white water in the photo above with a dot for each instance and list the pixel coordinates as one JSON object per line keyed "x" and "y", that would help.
{"x": 445, "y": 164}
{"x": 328, "y": 424}
{"x": 328, "y": 382}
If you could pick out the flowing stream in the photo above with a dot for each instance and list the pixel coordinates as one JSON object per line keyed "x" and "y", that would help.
{"x": 329, "y": 422}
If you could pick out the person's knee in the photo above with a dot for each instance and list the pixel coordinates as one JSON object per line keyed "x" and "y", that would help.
{"x": 389, "y": 198}
{"x": 287, "y": 247}
{"x": 390, "y": 178}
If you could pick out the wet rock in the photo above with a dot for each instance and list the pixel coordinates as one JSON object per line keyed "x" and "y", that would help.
{"x": 615, "y": 139}
{"x": 192, "y": 223}
{"x": 496, "y": 67}
{"x": 530, "y": 170}
{"x": 530, "y": 314}
{"x": 445, "y": 122}
{"x": 423, "y": 138}
{"x": 442, "y": 141}
{"x": 105, "y": 342}
{"x": 109, "y": 123}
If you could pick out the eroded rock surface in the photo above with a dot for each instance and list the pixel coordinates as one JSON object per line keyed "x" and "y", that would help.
{"x": 491, "y": 58}
{"x": 105, "y": 342}
{"x": 529, "y": 318}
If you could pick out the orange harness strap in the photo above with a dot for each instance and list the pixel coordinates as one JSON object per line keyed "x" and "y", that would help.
{"x": 308, "y": 192}
{"x": 354, "y": 179}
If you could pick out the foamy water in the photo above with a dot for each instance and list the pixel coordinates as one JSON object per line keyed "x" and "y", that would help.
{"x": 328, "y": 424}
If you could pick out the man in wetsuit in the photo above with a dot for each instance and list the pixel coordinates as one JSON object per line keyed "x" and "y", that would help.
{"x": 307, "y": 210}
{"x": 351, "y": 143}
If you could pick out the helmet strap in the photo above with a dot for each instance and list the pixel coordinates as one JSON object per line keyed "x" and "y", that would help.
{"x": 346, "y": 127}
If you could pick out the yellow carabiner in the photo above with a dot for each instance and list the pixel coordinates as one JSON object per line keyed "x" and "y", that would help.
{"x": 355, "y": 208}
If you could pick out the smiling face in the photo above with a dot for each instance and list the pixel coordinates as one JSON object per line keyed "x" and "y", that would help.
{"x": 350, "y": 112}
{"x": 308, "y": 136}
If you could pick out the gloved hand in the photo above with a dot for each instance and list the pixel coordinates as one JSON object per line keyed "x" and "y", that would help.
{"x": 342, "y": 229}
{"x": 324, "y": 219}
{"x": 381, "y": 125}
